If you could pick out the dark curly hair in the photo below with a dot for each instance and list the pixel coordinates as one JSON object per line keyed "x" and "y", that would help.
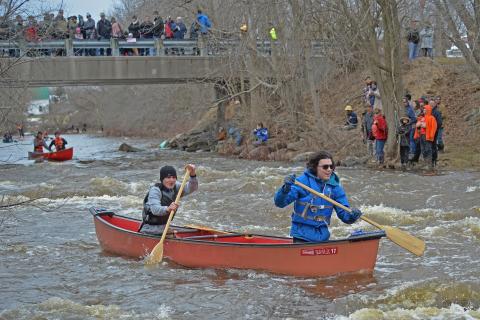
{"x": 315, "y": 159}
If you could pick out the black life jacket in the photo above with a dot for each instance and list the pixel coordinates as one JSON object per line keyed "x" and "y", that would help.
{"x": 148, "y": 216}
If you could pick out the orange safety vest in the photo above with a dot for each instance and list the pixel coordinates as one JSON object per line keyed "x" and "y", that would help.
{"x": 59, "y": 143}
{"x": 38, "y": 145}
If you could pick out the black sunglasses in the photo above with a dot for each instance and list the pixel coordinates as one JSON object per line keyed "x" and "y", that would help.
{"x": 326, "y": 166}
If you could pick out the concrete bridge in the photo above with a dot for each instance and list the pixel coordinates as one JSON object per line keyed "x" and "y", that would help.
{"x": 92, "y": 71}
{"x": 205, "y": 64}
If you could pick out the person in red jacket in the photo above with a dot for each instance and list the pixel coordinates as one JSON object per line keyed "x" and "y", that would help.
{"x": 380, "y": 133}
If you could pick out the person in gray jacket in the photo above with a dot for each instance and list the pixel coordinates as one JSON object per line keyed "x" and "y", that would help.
{"x": 160, "y": 199}
{"x": 426, "y": 43}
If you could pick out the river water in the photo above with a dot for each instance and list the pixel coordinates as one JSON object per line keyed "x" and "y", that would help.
{"x": 51, "y": 265}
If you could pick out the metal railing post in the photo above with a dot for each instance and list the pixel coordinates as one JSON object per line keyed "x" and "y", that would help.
{"x": 202, "y": 44}
{"x": 159, "y": 47}
{"x": 69, "y": 47}
{"x": 114, "y": 47}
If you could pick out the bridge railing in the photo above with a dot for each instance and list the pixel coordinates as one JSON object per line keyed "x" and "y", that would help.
{"x": 157, "y": 47}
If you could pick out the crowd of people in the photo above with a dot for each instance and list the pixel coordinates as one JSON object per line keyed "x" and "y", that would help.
{"x": 58, "y": 27}
{"x": 419, "y": 130}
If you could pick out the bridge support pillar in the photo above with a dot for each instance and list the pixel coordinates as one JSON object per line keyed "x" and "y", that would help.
{"x": 202, "y": 44}
{"x": 69, "y": 47}
{"x": 114, "y": 46}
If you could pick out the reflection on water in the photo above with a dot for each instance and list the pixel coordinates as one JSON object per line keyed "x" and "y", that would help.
{"x": 332, "y": 288}
{"x": 51, "y": 265}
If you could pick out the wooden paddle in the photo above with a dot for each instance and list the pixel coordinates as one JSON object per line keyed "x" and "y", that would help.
{"x": 195, "y": 226}
{"x": 401, "y": 238}
{"x": 156, "y": 255}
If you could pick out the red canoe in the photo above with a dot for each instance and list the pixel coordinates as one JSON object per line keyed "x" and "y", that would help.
{"x": 207, "y": 248}
{"x": 62, "y": 155}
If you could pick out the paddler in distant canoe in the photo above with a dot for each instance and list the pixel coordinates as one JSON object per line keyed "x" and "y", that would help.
{"x": 58, "y": 142}
{"x": 160, "y": 199}
{"x": 311, "y": 216}
{"x": 39, "y": 143}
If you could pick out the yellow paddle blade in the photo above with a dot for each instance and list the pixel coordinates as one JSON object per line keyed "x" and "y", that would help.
{"x": 405, "y": 240}
{"x": 155, "y": 256}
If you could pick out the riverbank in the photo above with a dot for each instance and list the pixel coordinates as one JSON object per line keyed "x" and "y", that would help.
{"x": 449, "y": 78}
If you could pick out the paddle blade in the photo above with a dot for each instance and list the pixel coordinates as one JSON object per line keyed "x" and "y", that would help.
{"x": 156, "y": 255}
{"x": 405, "y": 240}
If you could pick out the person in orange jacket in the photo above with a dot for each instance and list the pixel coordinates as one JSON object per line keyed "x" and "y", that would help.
{"x": 58, "y": 142}
{"x": 425, "y": 131}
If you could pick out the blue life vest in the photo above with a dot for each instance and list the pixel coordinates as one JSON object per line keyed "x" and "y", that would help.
{"x": 311, "y": 215}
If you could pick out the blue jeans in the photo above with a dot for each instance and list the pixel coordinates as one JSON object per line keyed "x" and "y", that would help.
{"x": 379, "y": 144}
{"x": 412, "y": 50}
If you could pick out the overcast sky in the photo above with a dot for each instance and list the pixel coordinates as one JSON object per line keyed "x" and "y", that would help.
{"x": 76, "y": 7}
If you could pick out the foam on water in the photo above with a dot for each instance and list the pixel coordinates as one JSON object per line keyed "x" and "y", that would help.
{"x": 58, "y": 308}
{"x": 455, "y": 311}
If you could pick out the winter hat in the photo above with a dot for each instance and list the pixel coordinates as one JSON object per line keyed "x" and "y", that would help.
{"x": 167, "y": 171}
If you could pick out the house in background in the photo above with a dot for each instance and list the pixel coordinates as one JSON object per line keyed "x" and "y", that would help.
{"x": 40, "y": 103}
{"x": 38, "y": 107}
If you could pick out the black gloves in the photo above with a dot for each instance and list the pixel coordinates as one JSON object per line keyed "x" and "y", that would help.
{"x": 288, "y": 181}
{"x": 356, "y": 213}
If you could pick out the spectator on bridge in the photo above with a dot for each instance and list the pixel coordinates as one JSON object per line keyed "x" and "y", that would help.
{"x": 61, "y": 28}
{"x": 89, "y": 27}
{"x": 72, "y": 26}
{"x": 117, "y": 32}
{"x": 194, "y": 28}
{"x": 180, "y": 29}
{"x": 18, "y": 28}
{"x": 203, "y": 22}
{"x": 46, "y": 30}
{"x": 134, "y": 27}
{"x": 272, "y": 33}
{"x": 130, "y": 51}
{"x": 157, "y": 25}
{"x": 31, "y": 31}
{"x": 78, "y": 36}
{"x": 168, "y": 28}
{"x": 104, "y": 30}
{"x": 81, "y": 23}
{"x": 146, "y": 32}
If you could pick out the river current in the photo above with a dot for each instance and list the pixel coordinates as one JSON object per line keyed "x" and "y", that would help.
{"x": 52, "y": 267}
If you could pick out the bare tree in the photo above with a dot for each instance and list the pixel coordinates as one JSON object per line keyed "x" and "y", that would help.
{"x": 462, "y": 26}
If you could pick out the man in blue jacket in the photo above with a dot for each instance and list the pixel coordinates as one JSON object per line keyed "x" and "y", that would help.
{"x": 261, "y": 134}
{"x": 311, "y": 215}
{"x": 204, "y": 22}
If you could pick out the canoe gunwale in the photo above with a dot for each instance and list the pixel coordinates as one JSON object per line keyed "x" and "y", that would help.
{"x": 362, "y": 237}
